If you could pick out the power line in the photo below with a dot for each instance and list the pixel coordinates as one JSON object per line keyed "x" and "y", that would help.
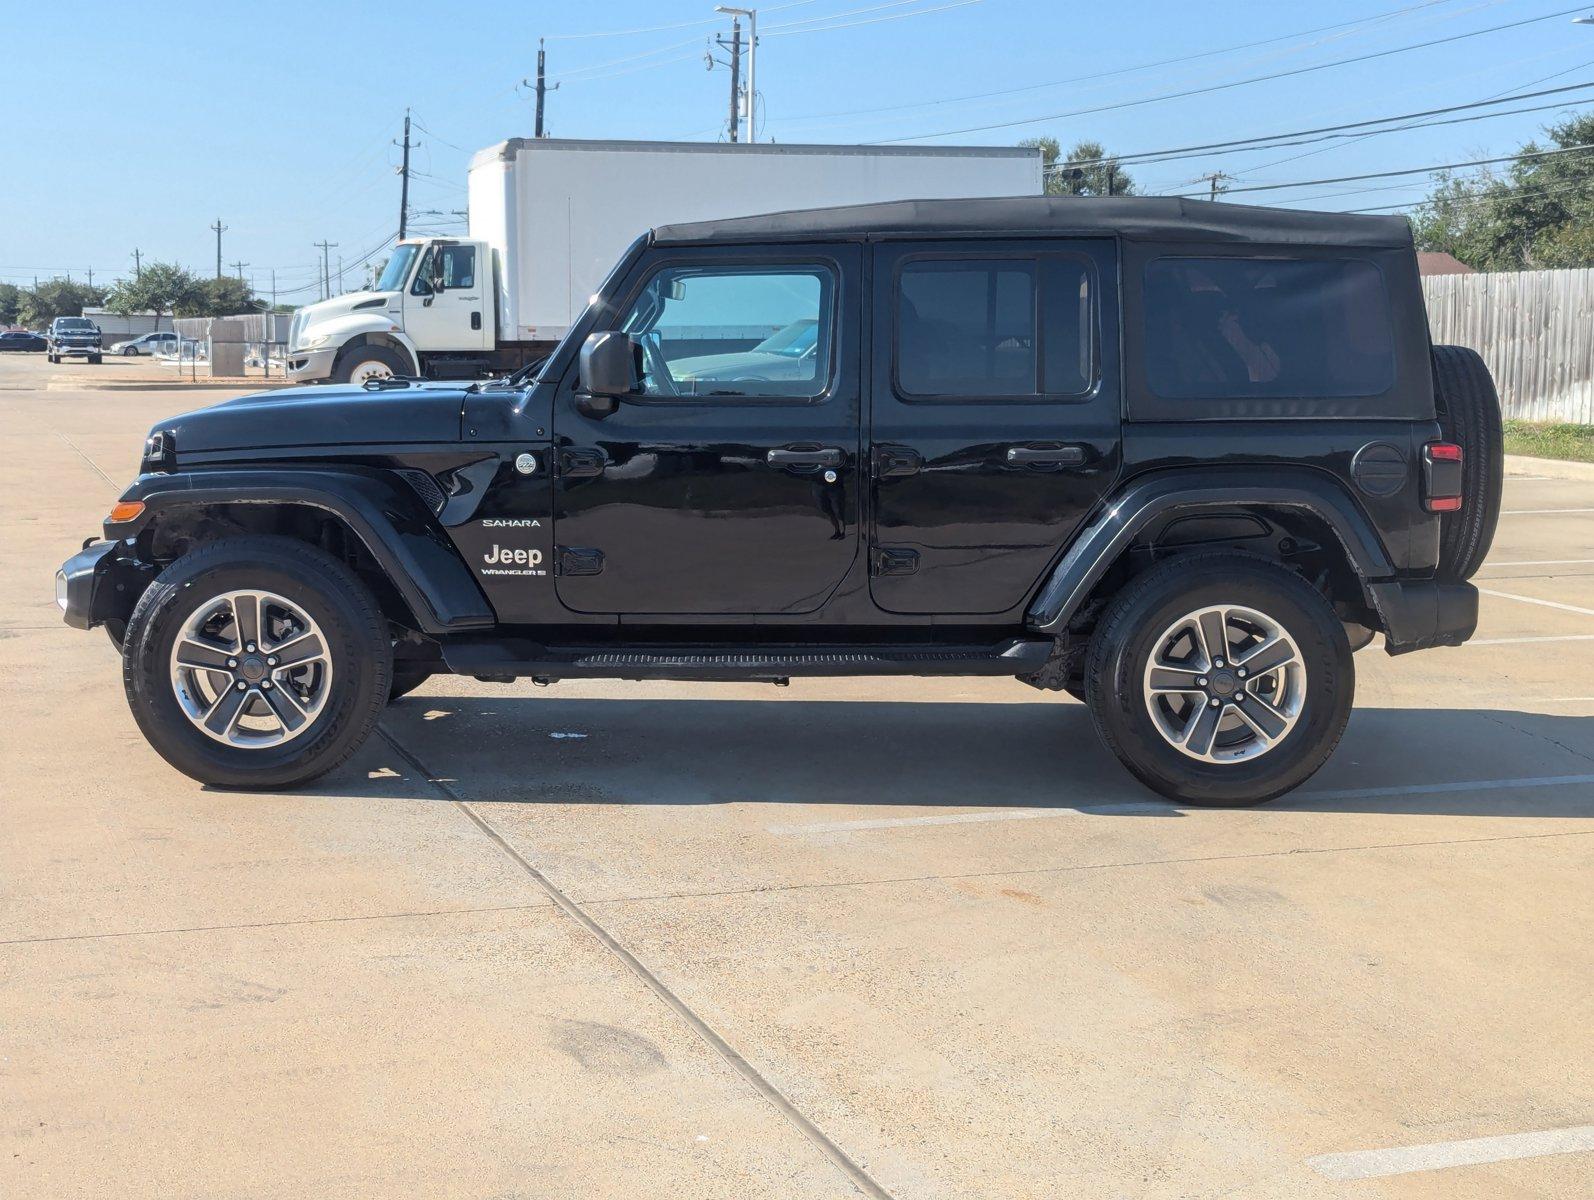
{"x": 1276, "y": 141}
{"x": 1428, "y": 170}
{"x": 1235, "y": 83}
{"x": 1147, "y": 66}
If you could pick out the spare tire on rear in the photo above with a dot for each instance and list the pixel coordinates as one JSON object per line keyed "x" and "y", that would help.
{"x": 1469, "y": 414}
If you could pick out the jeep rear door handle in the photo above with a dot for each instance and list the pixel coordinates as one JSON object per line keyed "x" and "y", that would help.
{"x": 828, "y": 456}
{"x": 1045, "y": 456}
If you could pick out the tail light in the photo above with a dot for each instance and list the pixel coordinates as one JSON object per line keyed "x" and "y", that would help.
{"x": 1441, "y": 476}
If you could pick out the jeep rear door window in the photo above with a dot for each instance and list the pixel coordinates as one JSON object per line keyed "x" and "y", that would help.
{"x": 993, "y": 329}
{"x": 1226, "y": 328}
{"x": 735, "y": 332}
{"x": 966, "y": 329}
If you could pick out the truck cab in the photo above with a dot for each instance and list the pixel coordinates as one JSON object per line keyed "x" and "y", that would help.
{"x": 430, "y": 314}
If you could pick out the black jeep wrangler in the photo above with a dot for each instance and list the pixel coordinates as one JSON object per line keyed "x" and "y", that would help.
{"x": 1176, "y": 459}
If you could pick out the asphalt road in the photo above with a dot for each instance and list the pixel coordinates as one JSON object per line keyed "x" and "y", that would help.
{"x": 918, "y": 939}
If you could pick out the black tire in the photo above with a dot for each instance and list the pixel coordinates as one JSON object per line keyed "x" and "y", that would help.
{"x": 406, "y": 679}
{"x": 130, "y": 352}
{"x": 1469, "y": 414}
{"x": 355, "y": 632}
{"x": 1124, "y": 640}
{"x": 343, "y": 370}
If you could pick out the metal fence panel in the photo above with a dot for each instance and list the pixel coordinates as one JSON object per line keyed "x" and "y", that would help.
{"x": 1535, "y": 329}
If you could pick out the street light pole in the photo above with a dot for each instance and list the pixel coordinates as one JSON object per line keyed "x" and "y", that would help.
{"x": 752, "y": 64}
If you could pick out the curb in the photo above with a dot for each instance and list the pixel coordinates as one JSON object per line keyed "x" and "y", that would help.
{"x": 1552, "y": 468}
{"x": 241, "y": 386}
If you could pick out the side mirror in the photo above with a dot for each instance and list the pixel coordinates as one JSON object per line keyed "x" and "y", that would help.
{"x": 608, "y": 371}
{"x": 439, "y": 279}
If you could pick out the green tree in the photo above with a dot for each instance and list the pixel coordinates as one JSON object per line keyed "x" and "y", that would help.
{"x": 56, "y": 298}
{"x": 160, "y": 288}
{"x": 1087, "y": 171}
{"x": 223, "y": 297}
{"x": 10, "y": 301}
{"x": 1537, "y": 213}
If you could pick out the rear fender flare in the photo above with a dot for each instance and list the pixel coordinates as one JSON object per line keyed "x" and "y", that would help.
{"x": 1153, "y": 497}
{"x": 378, "y": 508}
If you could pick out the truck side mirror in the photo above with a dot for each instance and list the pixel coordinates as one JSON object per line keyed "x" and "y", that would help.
{"x": 439, "y": 278}
{"x": 608, "y": 370}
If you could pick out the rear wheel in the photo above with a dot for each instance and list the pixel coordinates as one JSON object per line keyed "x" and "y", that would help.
{"x": 362, "y": 364}
{"x": 1469, "y": 414}
{"x": 1220, "y": 679}
{"x": 256, "y": 662}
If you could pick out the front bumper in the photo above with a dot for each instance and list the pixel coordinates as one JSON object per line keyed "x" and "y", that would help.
{"x": 1419, "y": 614}
{"x": 98, "y": 585}
{"x": 306, "y": 366}
{"x": 77, "y": 351}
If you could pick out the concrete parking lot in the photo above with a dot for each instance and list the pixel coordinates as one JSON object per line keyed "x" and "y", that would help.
{"x": 917, "y": 939}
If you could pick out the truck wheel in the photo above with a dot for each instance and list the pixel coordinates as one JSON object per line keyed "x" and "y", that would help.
{"x": 94, "y": 360}
{"x": 365, "y": 363}
{"x": 256, "y": 662}
{"x": 1469, "y": 414}
{"x": 1220, "y": 678}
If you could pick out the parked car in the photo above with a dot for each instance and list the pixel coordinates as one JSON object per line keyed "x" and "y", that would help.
{"x": 74, "y": 337}
{"x": 21, "y": 339}
{"x": 163, "y": 342}
{"x": 1176, "y": 459}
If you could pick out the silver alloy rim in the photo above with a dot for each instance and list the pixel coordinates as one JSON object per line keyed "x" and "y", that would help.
{"x": 1225, "y": 684}
{"x": 370, "y": 369}
{"x": 251, "y": 669}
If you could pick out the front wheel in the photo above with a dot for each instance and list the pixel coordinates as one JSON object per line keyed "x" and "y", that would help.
{"x": 1220, "y": 679}
{"x": 256, "y": 662}
{"x": 130, "y": 352}
{"x": 94, "y": 360}
{"x": 365, "y": 364}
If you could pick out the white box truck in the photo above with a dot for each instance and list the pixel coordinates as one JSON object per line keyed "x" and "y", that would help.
{"x": 549, "y": 217}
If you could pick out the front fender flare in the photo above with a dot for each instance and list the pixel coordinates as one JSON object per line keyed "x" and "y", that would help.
{"x": 378, "y": 507}
{"x": 1150, "y": 497}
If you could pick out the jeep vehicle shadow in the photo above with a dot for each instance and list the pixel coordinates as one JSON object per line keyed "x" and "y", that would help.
{"x": 957, "y": 755}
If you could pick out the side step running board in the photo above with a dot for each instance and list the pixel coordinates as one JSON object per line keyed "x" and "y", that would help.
{"x": 517, "y": 657}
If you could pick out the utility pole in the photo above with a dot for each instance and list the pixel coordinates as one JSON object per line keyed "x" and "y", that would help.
{"x": 220, "y": 229}
{"x": 138, "y": 266}
{"x": 735, "y": 47}
{"x": 238, "y": 268}
{"x": 91, "y": 277}
{"x": 542, "y": 86}
{"x": 273, "y": 289}
{"x": 326, "y": 276}
{"x": 1215, "y": 178}
{"x": 752, "y": 65}
{"x": 404, "y": 187}
{"x": 340, "y": 274}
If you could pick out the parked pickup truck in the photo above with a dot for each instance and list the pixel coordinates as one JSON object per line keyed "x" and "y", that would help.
{"x": 73, "y": 337}
{"x": 1176, "y": 459}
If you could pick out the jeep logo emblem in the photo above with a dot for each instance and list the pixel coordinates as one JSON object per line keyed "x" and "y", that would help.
{"x": 504, "y": 556}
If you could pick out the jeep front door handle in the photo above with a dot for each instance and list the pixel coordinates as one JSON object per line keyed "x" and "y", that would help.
{"x": 1045, "y": 456}
{"x": 828, "y": 456}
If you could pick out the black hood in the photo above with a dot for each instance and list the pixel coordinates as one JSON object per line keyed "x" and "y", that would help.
{"x": 322, "y": 416}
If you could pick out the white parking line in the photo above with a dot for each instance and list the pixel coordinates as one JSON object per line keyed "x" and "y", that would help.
{"x": 1432, "y": 789}
{"x": 1572, "y": 608}
{"x": 1404, "y": 1160}
{"x": 1541, "y": 512}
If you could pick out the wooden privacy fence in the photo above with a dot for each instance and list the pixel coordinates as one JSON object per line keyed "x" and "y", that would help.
{"x": 1535, "y": 329}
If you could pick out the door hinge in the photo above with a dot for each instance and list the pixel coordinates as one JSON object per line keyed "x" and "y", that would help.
{"x": 577, "y": 560}
{"x": 891, "y": 462}
{"x": 893, "y": 560}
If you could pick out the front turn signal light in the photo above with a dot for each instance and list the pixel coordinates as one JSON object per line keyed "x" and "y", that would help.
{"x": 125, "y": 510}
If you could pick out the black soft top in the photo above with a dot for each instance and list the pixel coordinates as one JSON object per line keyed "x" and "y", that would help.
{"x": 1137, "y": 218}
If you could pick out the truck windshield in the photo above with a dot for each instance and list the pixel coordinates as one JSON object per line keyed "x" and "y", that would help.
{"x": 397, "y": 268}
{"x": 74, "y": 323}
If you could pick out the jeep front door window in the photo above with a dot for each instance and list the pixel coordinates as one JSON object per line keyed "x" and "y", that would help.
{"x": 735, "y": 333}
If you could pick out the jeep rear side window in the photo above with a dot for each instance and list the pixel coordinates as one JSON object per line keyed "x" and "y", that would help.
{"x": 735, "y": 332}
{"x": 1228, "y": 328}
{"x": 968, "y": 329}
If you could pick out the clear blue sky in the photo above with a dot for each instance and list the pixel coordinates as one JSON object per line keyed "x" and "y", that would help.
{"x": 139, "y": 126}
